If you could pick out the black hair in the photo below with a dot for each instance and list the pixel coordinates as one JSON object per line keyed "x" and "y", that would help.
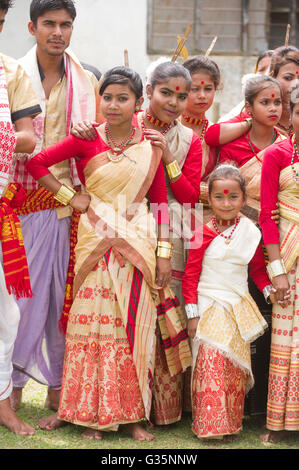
{"x": 123, "y": 76}
{"x": 206, "y": 65}
{"x": 167, "y": 70}
{"x": 257, "y": 83}
{"x": 6, "y": 4}
{"x": 40, "y": 7}
{"x": 227, "y": 171}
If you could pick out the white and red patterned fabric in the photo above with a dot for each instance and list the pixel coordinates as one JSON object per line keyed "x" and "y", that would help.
{"x": 8, "y": 139}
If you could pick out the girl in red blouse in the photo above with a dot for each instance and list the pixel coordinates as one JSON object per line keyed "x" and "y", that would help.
{"x": 205, "y": 75}
{"x": 167, "y": 89}
{"x": 223, "y": 319}
{"x": 112, "y": 323}
{"x": 263, "y": 104}
{"x": 284, "y": 67}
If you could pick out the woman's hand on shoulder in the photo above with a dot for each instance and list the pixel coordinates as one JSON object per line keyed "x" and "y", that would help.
{"x": 275, "y": 215}
{"x": 85, "y": 130}
{"x": 163, "y": 272}
{"x": 80, "y": 202}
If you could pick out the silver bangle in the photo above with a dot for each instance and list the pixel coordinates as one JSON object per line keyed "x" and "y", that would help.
{"x": 276, "y": 268}
{"x": 191, "y": 311}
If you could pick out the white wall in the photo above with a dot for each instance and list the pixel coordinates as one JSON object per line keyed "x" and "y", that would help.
{"x": 103, "y": 29}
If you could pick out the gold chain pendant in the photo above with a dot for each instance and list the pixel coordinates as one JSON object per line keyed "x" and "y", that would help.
{"x": 114, "y": 159}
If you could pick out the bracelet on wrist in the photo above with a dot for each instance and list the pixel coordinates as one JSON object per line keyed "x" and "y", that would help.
{"x": 191, "y": 311}
{"x": 173, "y": 170}
{"x": 166, "y": 245}
{"x": 164, "y": 253}
{"x": 267, "y": 291}
{"x": 65, "y": 194}
{"x": 276, "y": 268}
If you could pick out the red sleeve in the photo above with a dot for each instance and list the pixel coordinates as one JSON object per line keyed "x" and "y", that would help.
{"x": 213, "y": 133}
{"x": 187, "y": 188}
{"x": 158, "y": 197}
{"x": 68, "y": 148}
{"x": 269, "y": 190}
{"x": 199, "y": 243}
{"x": 257, "y": 269}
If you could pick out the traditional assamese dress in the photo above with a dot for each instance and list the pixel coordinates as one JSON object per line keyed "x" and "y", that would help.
{"x": 249, "y": 159}
{"x": 110, "y": 339}
{"x": 182, "y": 195}
{"x": 278, "y": 184}
{"x": 215, "y": 287}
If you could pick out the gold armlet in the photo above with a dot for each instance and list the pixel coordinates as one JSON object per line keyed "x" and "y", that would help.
{"x": 173, "y": 170}
{"x": 65, "y": 194}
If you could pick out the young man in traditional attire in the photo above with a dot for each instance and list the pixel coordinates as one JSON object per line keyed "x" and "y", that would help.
{"x": 67, "y": 94}
{"x": 18, "y": 105}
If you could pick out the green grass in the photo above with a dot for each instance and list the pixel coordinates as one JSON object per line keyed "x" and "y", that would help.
{"x": 177, "y": 436}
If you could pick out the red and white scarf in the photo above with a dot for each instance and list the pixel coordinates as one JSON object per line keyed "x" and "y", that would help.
{"x": 15, "y": 265}
{"x": 8, "y": 139}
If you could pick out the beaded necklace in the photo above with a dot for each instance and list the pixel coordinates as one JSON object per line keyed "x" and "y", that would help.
{"x": 192, "y": 120}
{"x": 295, "y": 153}
{"x": 288, "y": 129}
{"x": 151, "y": 120}
{"x": 197, "y": 122}
{"x": 204, "y": 129}
{"x": 155, "y": 121}
{"x": 225, "y": 223}
{"x": 117, "y": 149}
{"x": 227, "y": 237}
{"x": 251, "y": 146}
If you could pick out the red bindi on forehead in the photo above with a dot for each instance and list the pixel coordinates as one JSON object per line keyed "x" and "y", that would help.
{"x": 226, "y": 191}
{"x": 273, "y": 96}
{"x": 177, "y": 88}
{"x": 202, "y": 82}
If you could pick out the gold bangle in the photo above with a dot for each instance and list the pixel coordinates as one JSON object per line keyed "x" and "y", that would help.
{"x": 164, "y": 253}
{"x": 173, "y": 170}
{"x": 276, "y": 268}
{"x": 164, "y": 244}
{"x": 65, "y": 194}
